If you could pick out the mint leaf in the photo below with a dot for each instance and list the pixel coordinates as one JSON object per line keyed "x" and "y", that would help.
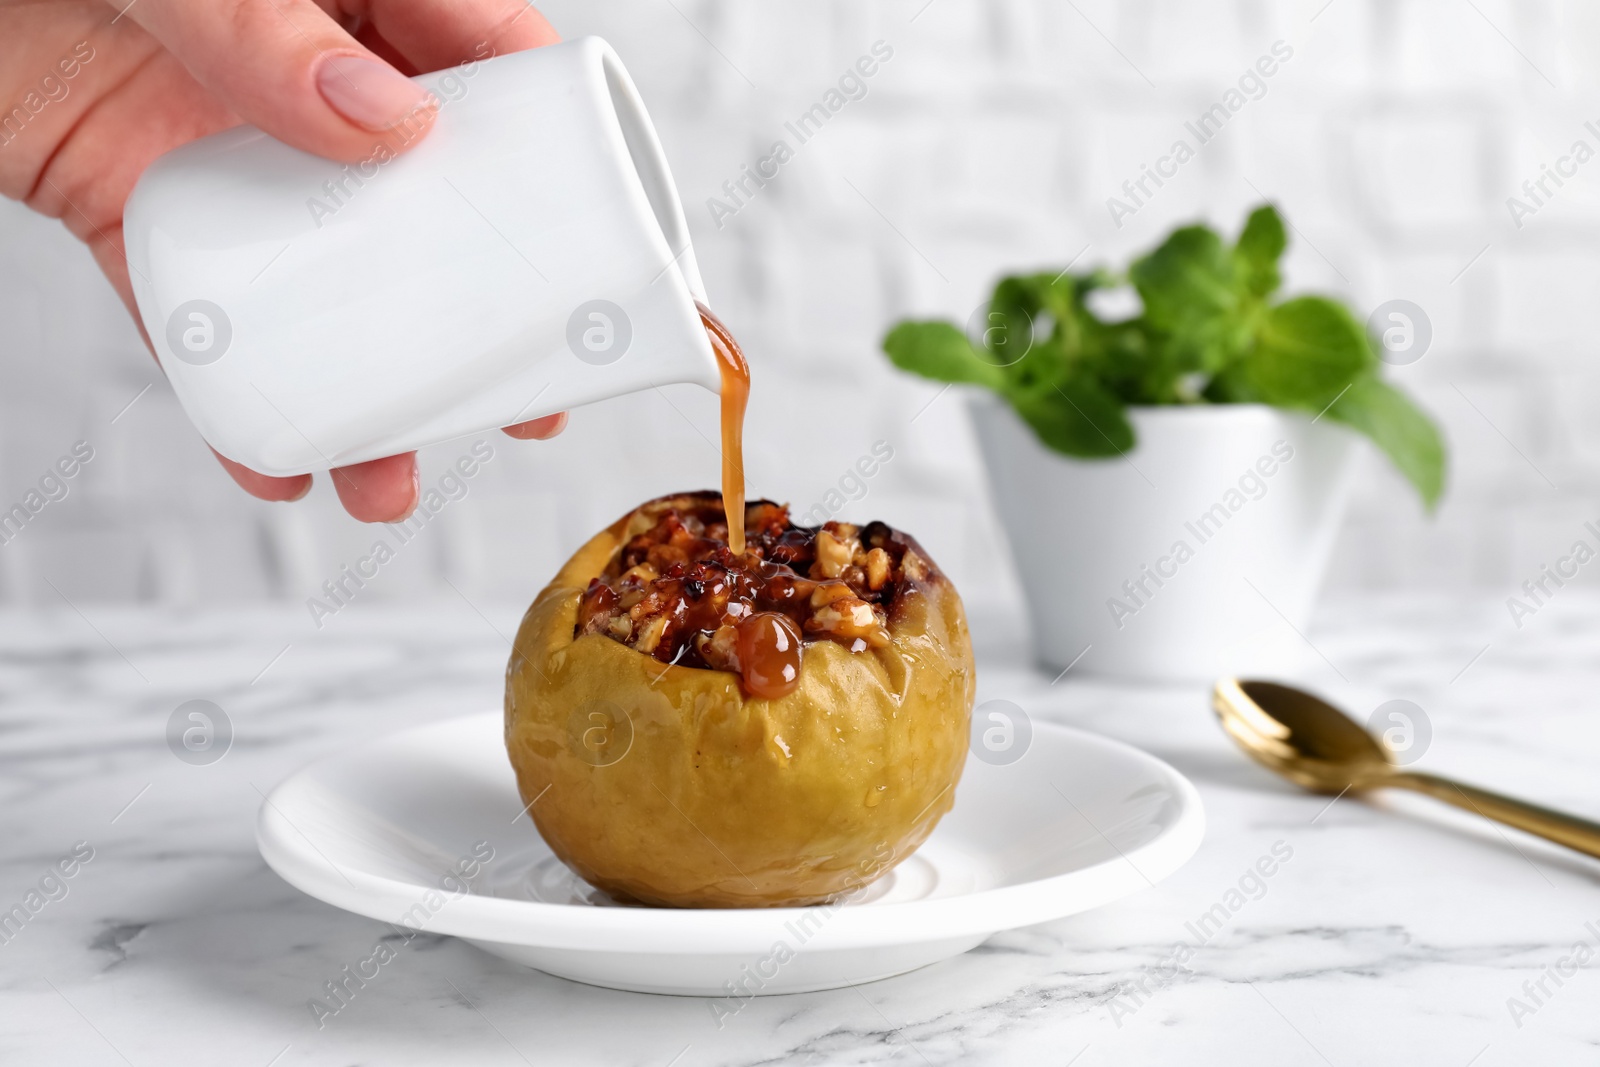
{"x": 1009, "y": 332}
{"x": 1193, "y": 306}
{"x": 1393, "y": 423}
{"x": 1260, "y": 246}
{"x": 1307, "y": 350}
{"x": 1078, "y": 417}
{"x": 1187, "y": 282}
{"x": 1128, "y": 361}
{"x": 939, "y": 351}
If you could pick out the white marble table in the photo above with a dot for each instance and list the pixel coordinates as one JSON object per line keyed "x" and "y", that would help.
{"x": 1395, "y": 932}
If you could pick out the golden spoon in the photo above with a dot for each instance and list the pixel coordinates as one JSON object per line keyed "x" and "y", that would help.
{"x": 1315, "y": 745}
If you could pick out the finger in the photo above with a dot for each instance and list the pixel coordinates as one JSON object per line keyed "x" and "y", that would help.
{"x": 380, "y": 490}
{"x": 538, "y": 429}
{"x": 285, "y": 66}
{"x": 434, "y": 34}
{"x": 371, "y": 39}
{"x": 265, "y": 486}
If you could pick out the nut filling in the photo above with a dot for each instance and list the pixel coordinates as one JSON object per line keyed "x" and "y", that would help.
{"x": 676, "y": 592}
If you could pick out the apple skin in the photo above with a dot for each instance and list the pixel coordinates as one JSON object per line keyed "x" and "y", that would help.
{"x": 668, "y": 786}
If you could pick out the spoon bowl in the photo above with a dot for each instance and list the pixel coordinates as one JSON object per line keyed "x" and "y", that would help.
{"x": 1300, "y": 736}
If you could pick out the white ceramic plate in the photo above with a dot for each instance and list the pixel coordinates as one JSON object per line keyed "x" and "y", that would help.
{"x": 400, "y": 830}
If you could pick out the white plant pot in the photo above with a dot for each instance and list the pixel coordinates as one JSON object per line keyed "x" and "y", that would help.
{"x": 1197, "y": 555}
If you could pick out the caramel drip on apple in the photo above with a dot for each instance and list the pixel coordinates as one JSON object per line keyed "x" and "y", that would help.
{"x": 769, "y": 654}
{"x": 735, "y": 395}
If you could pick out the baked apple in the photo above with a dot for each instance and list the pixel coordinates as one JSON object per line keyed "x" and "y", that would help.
{"x": 699, "y": 729}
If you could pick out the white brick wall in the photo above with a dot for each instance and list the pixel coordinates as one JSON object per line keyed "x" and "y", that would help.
{"x": 990, "y": 141}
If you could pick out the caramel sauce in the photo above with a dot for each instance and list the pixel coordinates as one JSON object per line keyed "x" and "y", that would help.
{"x": 769, "y": 655}
{"x": 735, "y": 395}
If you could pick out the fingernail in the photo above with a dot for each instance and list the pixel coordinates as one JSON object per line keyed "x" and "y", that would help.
{"x": 304, "y": 489}
{"x": 416, "y": 495}
{"x": 556, "y": 423}
{"x": 368, "y": 92}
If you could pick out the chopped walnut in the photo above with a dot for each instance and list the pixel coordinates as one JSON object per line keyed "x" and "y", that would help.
{"x": 833, "y": 555}
{"x": 827, "y": 592}
{"x": 663, "y": 556}
{"x": 649, "y": 638}
{"x": 847, "y": 619}
{"x": 643, "y": 573}
{"x": 719, "y": 649}
{"x": 876, "y": 566}
{"x": 676, "y": 593}
{"x": 914, "y": 566}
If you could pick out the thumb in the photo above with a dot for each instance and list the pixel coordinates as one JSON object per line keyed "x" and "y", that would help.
{"x": 285, "y": 66}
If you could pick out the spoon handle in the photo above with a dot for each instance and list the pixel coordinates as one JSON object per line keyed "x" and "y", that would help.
{"x": 1563, "y": 829}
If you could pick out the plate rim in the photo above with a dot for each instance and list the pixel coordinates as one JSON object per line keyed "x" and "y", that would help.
{"x": 652, "y": 931}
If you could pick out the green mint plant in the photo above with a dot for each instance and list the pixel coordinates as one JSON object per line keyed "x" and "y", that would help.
{"x": 1210, "y": 332}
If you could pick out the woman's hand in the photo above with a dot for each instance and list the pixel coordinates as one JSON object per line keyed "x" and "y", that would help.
{"x": 93, "y": 93}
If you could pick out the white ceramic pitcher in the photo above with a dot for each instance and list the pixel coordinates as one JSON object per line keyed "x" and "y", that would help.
{"x": 527, "y": 256}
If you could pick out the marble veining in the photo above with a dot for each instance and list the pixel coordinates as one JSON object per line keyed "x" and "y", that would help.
{"x": 1389, "y": 931}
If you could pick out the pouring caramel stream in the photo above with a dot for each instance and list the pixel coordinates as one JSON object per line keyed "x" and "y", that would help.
{"x": 735, "y": 372}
